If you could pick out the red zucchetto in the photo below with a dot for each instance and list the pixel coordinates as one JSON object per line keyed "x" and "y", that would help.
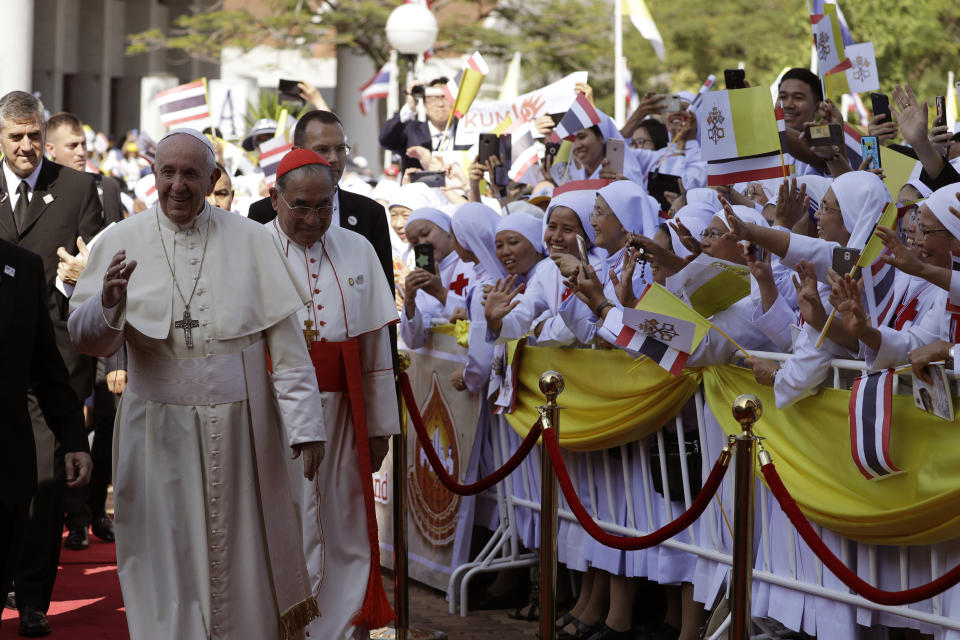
{"x": 298, "y": 158}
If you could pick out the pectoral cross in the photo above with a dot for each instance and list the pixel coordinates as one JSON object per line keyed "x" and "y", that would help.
{"x": 188, "y": 325}
{"x": 309, "y": 333}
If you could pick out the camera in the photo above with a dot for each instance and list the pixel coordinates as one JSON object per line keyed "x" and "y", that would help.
{"x": 418, "y": 91}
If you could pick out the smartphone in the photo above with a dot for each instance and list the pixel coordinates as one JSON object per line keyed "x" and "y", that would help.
{"x": 551, "y": 148}
{"x": 288, "y": 91}
{"x": 941, "y": 112}
{"x": 584, "y": 260}
{"x": 869, "y": 149}
{"x": 824, "y": 135}
{"x": 672, "y": 104}
{"x": 659, "y": 183}
{"x": 434, "y": 179}
{"x": 881, "y": 105}
{"x": 488, "y": 146}
{"x": 613, "y": 153}
{"x": 423, "y": 256}
{"x": 845, "y": 259}
{"x": 757, "y": 252}
{"x": 735, "y": 78}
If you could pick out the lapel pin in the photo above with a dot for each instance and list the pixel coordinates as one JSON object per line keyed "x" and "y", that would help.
{"x": 352, "y": 220}
{"x": 47, "y": 198}
{"x": 360, "y": 279}
{"x": 350, "y": 281}
{"x": 7, "y": 269}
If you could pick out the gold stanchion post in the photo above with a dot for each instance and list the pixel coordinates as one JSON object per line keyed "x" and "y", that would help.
{"x": 746, "y": 410}
{"x": 551, "y": 384}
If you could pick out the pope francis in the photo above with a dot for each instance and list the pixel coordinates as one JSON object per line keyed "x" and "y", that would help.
{"x": 205, "y": 520}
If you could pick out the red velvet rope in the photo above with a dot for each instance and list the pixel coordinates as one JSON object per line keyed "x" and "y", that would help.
{"x": 441, "y": 473}
{"x": 848, "y": 577}
{"x": 625, "y": 543}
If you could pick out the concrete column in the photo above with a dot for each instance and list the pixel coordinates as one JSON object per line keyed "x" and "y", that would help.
{"x": 353, "y": 71}
{"x": 16, "y": 46}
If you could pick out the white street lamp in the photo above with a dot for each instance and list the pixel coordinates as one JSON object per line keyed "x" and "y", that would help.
{"x": 411, "y": 29}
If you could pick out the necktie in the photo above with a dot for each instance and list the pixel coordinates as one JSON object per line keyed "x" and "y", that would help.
{"x": 20, "y": 211}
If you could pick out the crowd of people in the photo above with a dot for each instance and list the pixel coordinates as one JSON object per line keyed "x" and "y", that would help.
{"x": 204, "y": 319}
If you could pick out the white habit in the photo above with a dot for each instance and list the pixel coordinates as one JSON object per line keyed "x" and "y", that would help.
{"x": 204, "y": 513}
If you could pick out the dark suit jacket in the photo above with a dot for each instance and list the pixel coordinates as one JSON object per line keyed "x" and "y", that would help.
{"x": 64, "y": 205}
{"x": 357, "y": 213}
{"x": 399, "y": 136}
{"x": 28, "y": 351}
{"x": 108, "y": 189}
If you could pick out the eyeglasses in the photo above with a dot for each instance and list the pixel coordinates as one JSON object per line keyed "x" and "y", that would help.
{"x": 642, "y": 143}
{"x": 302, "y": 212}
{"x": 711, "y": 234}
{"x": 923, "y": 231}
{"x": 340, "y": 150}
{"x": 827, "y": 209}
{"x": 435, "y": 99}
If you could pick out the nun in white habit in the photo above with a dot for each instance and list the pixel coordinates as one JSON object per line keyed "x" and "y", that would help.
{"x": 422, "y": 310}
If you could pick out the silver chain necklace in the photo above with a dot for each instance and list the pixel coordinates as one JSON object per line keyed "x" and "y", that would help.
{"x": 188, "y": 324}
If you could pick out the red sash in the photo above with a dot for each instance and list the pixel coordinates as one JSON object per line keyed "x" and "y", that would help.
{"x": 338, "y": 369}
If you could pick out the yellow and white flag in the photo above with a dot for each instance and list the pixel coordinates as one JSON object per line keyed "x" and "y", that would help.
{"x": 640, "y": 16}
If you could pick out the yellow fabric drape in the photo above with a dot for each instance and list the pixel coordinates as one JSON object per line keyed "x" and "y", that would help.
{"x": 810, "y": 445}
{"x": 603, "y": 405}
{"x": 458, "y": 330}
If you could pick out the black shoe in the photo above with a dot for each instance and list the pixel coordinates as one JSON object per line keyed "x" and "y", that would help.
{"x": 33, "y": 623}
{"x": 582, "y": 630}
{"x": 606, "y": 633}
{"x": 102, "y": 527}
{"x": 11, "y": 601}
{"x": 78, "y": 540}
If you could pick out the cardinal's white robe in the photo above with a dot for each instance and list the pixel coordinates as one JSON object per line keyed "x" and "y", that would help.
{"x": 349, "y": 299}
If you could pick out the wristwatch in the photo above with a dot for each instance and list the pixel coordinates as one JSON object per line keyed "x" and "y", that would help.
{"x": 950, "y": 360}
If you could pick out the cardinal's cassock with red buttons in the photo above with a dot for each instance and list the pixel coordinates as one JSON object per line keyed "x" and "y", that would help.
{"x": 346, "y": 321}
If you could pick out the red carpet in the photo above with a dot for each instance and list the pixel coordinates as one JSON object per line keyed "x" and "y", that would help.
{"x": 86, "y": 598}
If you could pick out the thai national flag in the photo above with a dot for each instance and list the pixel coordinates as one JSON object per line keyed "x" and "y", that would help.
{"x": 377, "y": 88}
{"x": 870, "y": 410}
{"x": 851, "y": 138}
{"x": 878, "y": 288}
{"x": 639, "y": 342}
{"x": 581, "y": 115}
{"x": 633, "y": 100}
{"x": 271, "y": 153}
{"x": 185, "y": 106}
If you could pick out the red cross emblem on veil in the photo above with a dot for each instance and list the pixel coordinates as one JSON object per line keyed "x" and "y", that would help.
{"x": 458, "y": 285}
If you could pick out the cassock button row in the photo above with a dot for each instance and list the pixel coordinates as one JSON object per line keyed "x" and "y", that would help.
{"x": 314, "y": 275}
{"x": 313, "y": 259}
{"x": 319, "y": 306}
{"x": 316, "y": 290}
{"x": 322, "y": 323}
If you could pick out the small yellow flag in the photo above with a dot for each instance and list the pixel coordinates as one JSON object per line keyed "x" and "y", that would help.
{"x": 657, "y": 299}
{"x": 469, "y": 88}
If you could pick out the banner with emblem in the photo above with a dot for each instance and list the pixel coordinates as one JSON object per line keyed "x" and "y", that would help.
{"x": 450, "y": 417}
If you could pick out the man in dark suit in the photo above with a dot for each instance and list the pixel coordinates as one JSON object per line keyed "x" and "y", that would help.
{"x": 66, "y": 144}
{"x": 322, "y": 132}
{"x": 43, "y": 206}
{"x": 403, "y": 130}
{"x": 31, "y": 360}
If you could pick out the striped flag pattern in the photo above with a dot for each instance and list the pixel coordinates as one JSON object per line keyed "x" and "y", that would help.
{"x": 146, "y": 190}
{"x": 185, "y": 106}
{"x": 870, "y": 411}
{"x": 879, "y": 291}
{"x": 147, "y": 148}
{"x": 667, "y": 357}
{"x": 475, "y": 62}
{"x": 781, "y": 127}
{"x": 751, "y": 169}
{"x": 851, "y": 139}
{"x": 706, "y": 86}
{"x": 377, "y": 88}
{"x": 271, "y": 152}
{"x": 525, "y": 152}
{"x": 581, "y": 115}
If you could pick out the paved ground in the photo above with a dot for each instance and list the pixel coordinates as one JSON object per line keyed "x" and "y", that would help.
{"x": 428, "y": 609}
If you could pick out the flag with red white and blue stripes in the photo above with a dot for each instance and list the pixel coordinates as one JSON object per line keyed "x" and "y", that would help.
{"x": 870, "y": 411}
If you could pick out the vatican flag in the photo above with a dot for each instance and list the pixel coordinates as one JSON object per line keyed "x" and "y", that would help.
{"x": 640, "y": 16}
{"x": 664, "y": 316}
{"x": 469, "y": 88}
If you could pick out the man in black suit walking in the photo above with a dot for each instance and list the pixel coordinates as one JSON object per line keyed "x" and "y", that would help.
{"x": 66, "y": 144}
{"x": 31, "y": 360}
{"x": 322, "y": 132}
{"x": 43, "y": 206}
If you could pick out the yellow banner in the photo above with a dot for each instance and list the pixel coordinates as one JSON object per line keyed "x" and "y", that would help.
{"x": 606, "y": 404}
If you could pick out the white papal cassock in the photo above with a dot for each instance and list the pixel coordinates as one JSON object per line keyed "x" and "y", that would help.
{"x": 205, "y": 519}
{"x": 351, "y": 300}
